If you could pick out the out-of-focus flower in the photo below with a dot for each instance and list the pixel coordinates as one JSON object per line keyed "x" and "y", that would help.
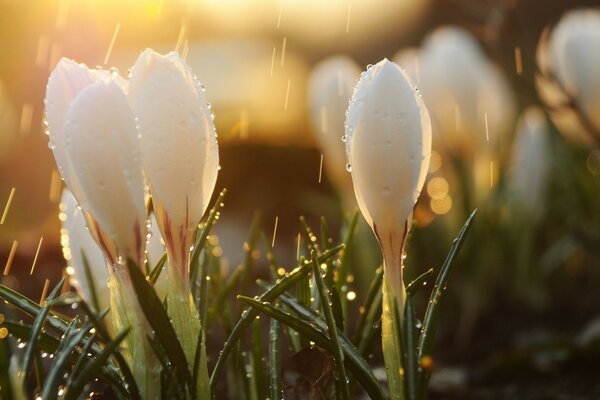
{"x": 470, "y": 101}
{"x": 569, "y": 60}
{"x": 531, "y": 159}
{"x": 388, "y": 141}
{"x": 180, "y": 158}
{"x": 94, "y": 140}
{"x": 330, "y": 89}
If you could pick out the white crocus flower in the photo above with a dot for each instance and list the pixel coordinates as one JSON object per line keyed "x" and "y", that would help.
{"x": 531, "y": 161}
{"x": 181, "y": 160}
{"x": 94, "y": 139}
{"x": 388, "y": 142}
{"x": 330, "y": 89}
{"x": 463, "y": 89}
{"x": 569, "y": 60}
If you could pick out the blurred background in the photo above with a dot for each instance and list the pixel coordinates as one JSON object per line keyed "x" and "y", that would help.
{"x": 526, "y": 285}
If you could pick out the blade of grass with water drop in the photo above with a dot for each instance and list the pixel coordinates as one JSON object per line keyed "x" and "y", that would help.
{"x": 156, "y": 271}
{"x": 37, "y": 326}
{"x": 419, "y": 282}
{"x": 6, "y": 391}
{"x": 248, "y": 315}
{"x": 159, "y": 321}
{"x": 92, "y": 368}
{"x": 258, "y": 362}
{"x": 200, "y": 369}
{"x": 89, "y": 277}
{"x": 353, "y": 361}
{"x": 409, "y": 347}
{"x": 427, "y": 338}
{"x": 338, "y": 354}
{"x": 343, "y": 264}
{"x": 203, "y": 235}
{"x": 64, "y": 352}
{"x": 96, "y": 320}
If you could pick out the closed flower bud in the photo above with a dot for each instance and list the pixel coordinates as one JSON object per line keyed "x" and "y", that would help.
{"x": 470, "y": 101}
{"x": 388, "y": 141}
{"x": 178, "y": 146}
{"x": 330, "y": 89}
{"x": 531, "y": 161}
{"x": 569, "y": 84}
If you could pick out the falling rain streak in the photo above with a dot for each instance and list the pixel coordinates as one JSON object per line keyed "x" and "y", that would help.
{"x": 112, "y": 43}
{"x": 348, "y": 19}
{"x": 274, "y": 232}
{"x": 273, "y": 60}
{"x": 37, "y": 252}
{"x": 11, "y": 256}
{"x": 287, "y": 94}
{"x": 181, "y": 37}
{"x": 321, "y": 168}
{"x": 518, "y": 61}
{"x": 55, "y": 187}
{"x": 7, "y": 207}
{"x": 283, "y": 46}
{"x": 487, "y": 130}
{"x": 280, "y": 14}
{"x": 44, "y": 291}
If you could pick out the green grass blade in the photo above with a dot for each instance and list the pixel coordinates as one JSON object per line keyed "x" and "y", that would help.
{"x": 427, "y": 337}
{"x": 310, "y": 237}
{"x": 275, "y": 368}
{"x": 248, "y": 315}
{"x": 5, "y": 381}
{"x": 332, "y": 328}
{"x": 30, "y": 307}
{"x": 366, "y": 318}
{"x": 89, "y": 277}
{"x": 418, "y": 283}
{"x": 37, "y": 326}
{"x": 258, "y": 362}
{"x": 409, "y": 341}
{"x": 156, "y": 271}
{"x": 200, "y": 370}
{"x": 353, "y": 361}
{"x": 159, "y": 321}
{"x": 71, "y": 340}
{"x": 213, "y": 215}
{"x": 344, "y": 263}
{"x": 73, "y": 390}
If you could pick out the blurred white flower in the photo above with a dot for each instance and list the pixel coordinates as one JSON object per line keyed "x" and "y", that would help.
{"x": 94, "y": 140}
{"x": 569, "y": 60}
{"x": 531, "y": 161}
{"x": 462, "y": 89}
{"x": 178, "y": 147}
{"x": 330, "y": 89}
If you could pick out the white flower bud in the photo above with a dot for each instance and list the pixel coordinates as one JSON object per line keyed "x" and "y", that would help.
{"x": 94, "y": 140}
{"x": 330, "y": 89}
{"x": 569, "y": 83}
{"x": 531, "y": 161}
{"x": 462, "y": 89}
{"x": 388, "y": 142}
{"x": 178, "y": 145}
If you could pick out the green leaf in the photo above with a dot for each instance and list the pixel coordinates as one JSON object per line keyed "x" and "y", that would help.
{"x": 332, "y": 328}
{"x": 200, "y": 369}
{"x": 370, "y": 312}
{"x": 73, "y": 337}
{"x": 156, "y": 271}
{"x": 89, "y": 277}
{"x": 159, "y": 321}
{"x": 248, "y": 315}
{"x": 409, "y": 341}
{"x": 275, "y": 369}
{"x": 419, "y": 282}
{"x": 92, "y": 369}
{"x": 353, "y": 360}
{"x": 213, "y": 215}
{"x": 37, "y": 326}
{"x": 427, "y": 338}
